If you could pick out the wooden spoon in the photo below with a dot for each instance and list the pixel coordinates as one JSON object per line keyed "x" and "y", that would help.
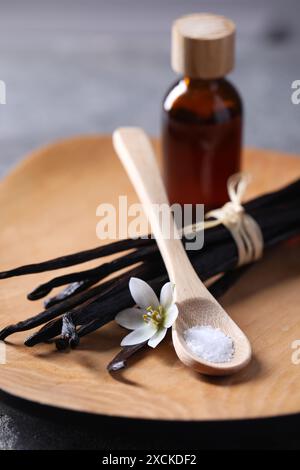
{"x": 197, "y": 307}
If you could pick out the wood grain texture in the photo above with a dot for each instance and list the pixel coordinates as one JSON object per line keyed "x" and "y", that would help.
{"x": 48, "y": 208}
{"x": 203, "y": 45}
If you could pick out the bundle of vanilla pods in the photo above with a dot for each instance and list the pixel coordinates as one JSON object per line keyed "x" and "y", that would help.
{"x": 88, "y": 301}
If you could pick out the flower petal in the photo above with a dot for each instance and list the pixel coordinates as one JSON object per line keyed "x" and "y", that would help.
{"x": 167, "y": 294}
{"x": 139, "y": 336}
{"x": 143, "y": 295}
{"x": 157, "y": 338}
{"x": 171, "y": 315}
{"x": 130, "y": 318}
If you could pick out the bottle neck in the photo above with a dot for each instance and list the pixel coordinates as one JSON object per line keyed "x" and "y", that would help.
{"x": 211, "y": 83}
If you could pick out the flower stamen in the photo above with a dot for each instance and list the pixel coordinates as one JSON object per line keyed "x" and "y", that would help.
{"x": 156, "y": 316}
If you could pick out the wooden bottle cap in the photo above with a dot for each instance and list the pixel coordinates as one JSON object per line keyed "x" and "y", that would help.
{"x": 203, "y": 45}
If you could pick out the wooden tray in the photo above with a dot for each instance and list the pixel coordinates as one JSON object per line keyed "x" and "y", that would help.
{"x": 48, "y": 208}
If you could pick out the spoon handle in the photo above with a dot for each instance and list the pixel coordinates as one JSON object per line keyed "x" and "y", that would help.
{"x": 136, "y": 153}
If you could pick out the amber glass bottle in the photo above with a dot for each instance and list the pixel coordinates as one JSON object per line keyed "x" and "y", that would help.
{"x": 202, "y": 113}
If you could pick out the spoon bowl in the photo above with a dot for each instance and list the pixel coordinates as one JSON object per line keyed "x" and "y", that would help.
{"x": 197, "y": 307}
{"x": 202, "y": 312}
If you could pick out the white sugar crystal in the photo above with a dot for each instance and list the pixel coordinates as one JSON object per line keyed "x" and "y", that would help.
{"x": 211, "y": 344}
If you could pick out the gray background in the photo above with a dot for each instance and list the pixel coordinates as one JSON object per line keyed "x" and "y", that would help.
{"x": 86, "y": 66}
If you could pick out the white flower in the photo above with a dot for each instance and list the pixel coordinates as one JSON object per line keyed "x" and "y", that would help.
{"x": 151, "y": 318}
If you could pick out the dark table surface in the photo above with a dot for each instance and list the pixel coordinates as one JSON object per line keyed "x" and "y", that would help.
{"x": 25, "y": 425}
{"x": 86, "y": 66}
